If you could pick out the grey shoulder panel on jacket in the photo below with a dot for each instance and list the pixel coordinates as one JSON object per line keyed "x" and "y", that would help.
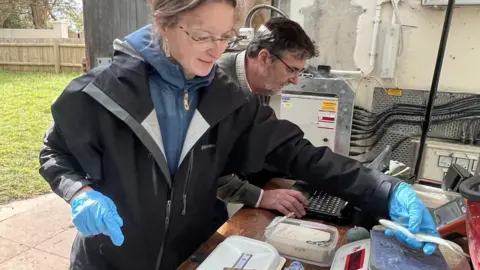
{"x": 228, "y": 63}
{"x": 79, "y": 83}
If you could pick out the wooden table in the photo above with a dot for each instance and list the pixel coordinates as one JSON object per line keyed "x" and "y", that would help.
{"x": 251, "y": 223}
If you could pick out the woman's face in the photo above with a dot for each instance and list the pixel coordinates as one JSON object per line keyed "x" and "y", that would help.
{"x": 200, "y": 37}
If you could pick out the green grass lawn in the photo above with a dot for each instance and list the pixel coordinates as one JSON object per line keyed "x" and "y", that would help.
{"x": 25, "y": 100}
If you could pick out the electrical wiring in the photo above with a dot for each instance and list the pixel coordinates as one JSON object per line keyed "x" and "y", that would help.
{"x": 355, "y": 154}
{"x": 377, "y": 123}
{"x": 434, "y": 122}
{"x": 370, "y": 132}
{"x": 367, "y": 125}
{"x": 370, "y": 77}
{"x": 470, "y": 130}
{"x": 447, "y": 106}
{"x": 368, "y": 122}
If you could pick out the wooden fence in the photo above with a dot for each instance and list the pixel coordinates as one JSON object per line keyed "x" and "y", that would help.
{"x": 42, "y": 55}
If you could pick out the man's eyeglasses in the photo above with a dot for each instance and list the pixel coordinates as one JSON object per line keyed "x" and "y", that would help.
{"x": 294, "y": 71}
{"x": 210, "y": 41}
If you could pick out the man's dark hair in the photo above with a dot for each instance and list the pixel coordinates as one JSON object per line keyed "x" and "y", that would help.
{"x": 280, "y": 36}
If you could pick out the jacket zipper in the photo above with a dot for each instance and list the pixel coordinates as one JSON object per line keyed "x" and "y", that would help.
{"x": 185, "y": 99}
{"x": 154, "y": 176}
{"x": 171, "y": 194}
{"x": 185, "y": 187}
{"x": 167, "y": 223}
{"x": 169, "y": 208}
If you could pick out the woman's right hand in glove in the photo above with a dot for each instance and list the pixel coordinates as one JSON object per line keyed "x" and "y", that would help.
{"x": 93, "y": 214}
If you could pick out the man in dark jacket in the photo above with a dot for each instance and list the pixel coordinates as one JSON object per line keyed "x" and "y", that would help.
{"x": 105, "y": 136}
{"x": 282, "y": 37}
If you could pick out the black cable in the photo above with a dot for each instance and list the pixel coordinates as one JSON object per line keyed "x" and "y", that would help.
{"x": 436, "y": 78}
{"x": 355, "y": 107}
{"x": 359, "y": 125}
{"x": 458, "y": 102}
{"x": 472, "y": 138}
{"x": 355, "y": 154}
{"x": 382, "y": 117}
{"x": 453, "y": 109}
{"x": 470, "y": 131}
{"x": 365, "y": 130}
{"x": 383, "y": 131}
{"x": 377, "y": 126}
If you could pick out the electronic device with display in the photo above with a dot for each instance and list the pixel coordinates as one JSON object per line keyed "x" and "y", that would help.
{"x": 449, "y": 212}
{"x": 448, "y": 209}
{"x": 353, "y": 256}
{"x": 450, "y": 218}
{"x": 378, "y": 253}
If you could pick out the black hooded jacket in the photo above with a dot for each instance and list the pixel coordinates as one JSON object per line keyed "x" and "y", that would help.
{"x": 105, "y": 135}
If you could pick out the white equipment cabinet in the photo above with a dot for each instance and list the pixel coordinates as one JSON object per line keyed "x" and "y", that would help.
{"x": 315, "y": 115}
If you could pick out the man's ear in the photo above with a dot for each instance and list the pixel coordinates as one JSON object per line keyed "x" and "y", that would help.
{"x": 264, "y": 57}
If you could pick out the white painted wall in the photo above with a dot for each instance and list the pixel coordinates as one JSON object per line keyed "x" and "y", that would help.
{"x": 344, "y": 34}
{"x": 60, "y": 30}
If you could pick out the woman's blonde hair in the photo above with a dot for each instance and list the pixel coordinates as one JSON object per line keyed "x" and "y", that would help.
{"x": 166, "y": 13}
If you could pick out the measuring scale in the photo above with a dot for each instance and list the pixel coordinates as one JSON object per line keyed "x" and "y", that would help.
{"x": 353, "y": 256}
{"x": 381, "y": 252}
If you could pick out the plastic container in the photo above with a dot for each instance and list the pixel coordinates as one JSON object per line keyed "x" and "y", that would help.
{"x": 295, "y": 265}
{"x": 243, "y": 253}
{"x": 305, "y": 241}
{"x": 470, "y": 190}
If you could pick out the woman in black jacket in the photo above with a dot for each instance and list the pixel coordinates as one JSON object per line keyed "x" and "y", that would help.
{"x": 136, "y": 148}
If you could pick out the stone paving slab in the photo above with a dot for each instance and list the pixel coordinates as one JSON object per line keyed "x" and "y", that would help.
{"x": 60, "y": 244}
{"x": 37, "y": 224}
{"x": 34, "y": 259}
{"x": 36, "y": 234}
{"x": 10, "y": 249}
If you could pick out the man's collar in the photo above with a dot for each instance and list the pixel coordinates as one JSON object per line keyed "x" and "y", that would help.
{"x": 242, "y": 72}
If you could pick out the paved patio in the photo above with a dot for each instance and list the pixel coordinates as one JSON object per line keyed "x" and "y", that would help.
{"x": 36, "y": 234}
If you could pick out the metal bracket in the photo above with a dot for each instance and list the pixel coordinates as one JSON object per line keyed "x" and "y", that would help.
{"x": 103, "y": 61}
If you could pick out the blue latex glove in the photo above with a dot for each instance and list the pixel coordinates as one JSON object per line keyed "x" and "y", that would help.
{"x": 409, "y": 211}
{"x": 93, "y": 214}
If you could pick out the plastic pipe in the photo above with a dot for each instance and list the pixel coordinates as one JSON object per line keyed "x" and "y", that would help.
{"x": 376, "y": 27}
{"x": 346, "y": 72}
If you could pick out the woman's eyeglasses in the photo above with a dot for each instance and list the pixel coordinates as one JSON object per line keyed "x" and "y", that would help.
{"x": 210, "y": 41}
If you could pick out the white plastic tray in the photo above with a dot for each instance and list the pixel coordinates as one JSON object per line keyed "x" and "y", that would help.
{"x": 305, "y": 241}
{"x": 244, "y": 253}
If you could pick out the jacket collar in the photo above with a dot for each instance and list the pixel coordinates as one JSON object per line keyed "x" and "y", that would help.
{"x": 242, "y": 72}
{"x": 126, "y": 82}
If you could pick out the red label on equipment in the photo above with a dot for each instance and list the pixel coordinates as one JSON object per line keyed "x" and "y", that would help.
{"x": 328, "y": 119}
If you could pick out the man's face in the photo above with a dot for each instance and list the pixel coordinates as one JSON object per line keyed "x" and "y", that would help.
{"x": 281, "y": 71}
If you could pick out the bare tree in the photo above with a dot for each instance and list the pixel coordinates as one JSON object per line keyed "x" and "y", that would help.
{"x": 40, "y": 11}
{"x": 8, "y": 7}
